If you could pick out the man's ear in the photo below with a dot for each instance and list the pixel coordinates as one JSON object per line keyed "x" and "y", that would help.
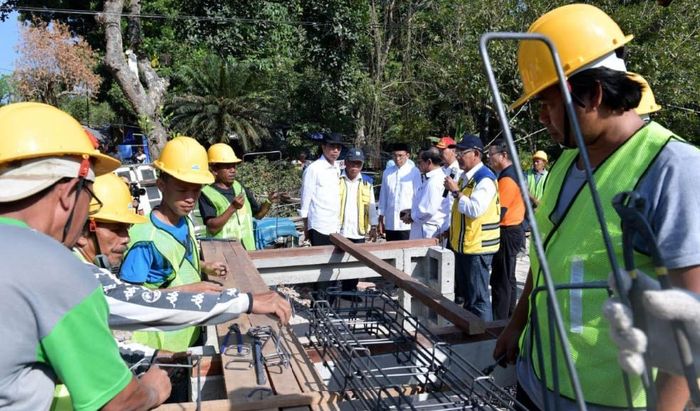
{"x": 596, "y": 98}
{"x": 65, "y": 192}
{"x": 82, "y": 240}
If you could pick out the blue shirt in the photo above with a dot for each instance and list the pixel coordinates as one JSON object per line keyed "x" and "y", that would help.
{"x": 144, "y": 264}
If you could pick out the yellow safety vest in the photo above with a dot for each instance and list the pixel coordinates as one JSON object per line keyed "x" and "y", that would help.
{"x": 240, "y": 225}
{"x": 364, "y": 193}
{"x": 576, "y": 253}
{"x": 480, "y": 235}
{"x": 184, "y": 272}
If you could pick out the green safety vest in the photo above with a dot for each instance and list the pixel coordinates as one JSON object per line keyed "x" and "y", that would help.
{"x": 364, "y": 193}
{"x": 184, "y": 272}
{"x": 536, "y": 188}
{"x": 576, "y": 253}
{"x": 480, "y": 235}
{"x": 240, "y": 225}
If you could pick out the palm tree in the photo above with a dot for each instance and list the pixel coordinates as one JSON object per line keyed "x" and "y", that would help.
{"x": 222, "y": 100}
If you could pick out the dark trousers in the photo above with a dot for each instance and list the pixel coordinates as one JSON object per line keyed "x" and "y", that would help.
{"x": 503, "y": 283}
{"x": 317, "y": 238}
{"x": 472, "y": 282}
{"x": 395, "y": 235}
{"x": 351, "y": 285}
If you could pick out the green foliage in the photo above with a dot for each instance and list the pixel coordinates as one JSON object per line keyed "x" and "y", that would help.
{"x": 88, "y": 112}
{"x": 223, "y": 100}
{"x": 6, "y": 89}
{"x": 263, "y": 176}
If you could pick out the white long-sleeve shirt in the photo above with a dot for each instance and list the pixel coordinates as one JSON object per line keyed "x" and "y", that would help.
{"x": 453, "y": 169}
{"x": 430, "y": 211}
{"x": 319, "y": 196}
{"x": 398, "y": 186}
{"x": 476, "y": 204}
{"x": 350, "y": 227}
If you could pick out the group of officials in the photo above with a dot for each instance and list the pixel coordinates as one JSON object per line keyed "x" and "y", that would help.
{"x": 448, "y": 193}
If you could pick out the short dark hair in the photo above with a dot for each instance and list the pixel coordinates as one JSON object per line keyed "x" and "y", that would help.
{"x": 620, "y": 92}
{"x": 432, "y": 154}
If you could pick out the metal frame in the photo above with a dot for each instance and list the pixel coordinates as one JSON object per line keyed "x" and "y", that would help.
{"x": 445, "y": 380}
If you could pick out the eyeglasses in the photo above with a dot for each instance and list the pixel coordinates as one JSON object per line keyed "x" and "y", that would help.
{"x": 463, "y": 152}
{"x": 95, "y": 206}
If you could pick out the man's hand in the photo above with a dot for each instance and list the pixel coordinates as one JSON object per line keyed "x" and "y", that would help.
{"x": 238, "y": 201}
{"x": 660, "y": 308}
{"x": 200, "y": 287}
{"x": 271, "y": 302}
{"x": 157, "y": 382}
{"x": 507, "y": 344}
{"x": 405, "y": 216}
{"x": 380, "y": 226}
{"x": 273, "y": 196}
{"x": 373, "y": 234}
{"x": 450, "y": 184}
{"x": 214, "y": 268}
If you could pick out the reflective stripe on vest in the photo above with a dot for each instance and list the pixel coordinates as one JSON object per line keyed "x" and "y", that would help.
{"x": 480, "y": 235}
{"x": 364, "y": 191}
{"x": 184, "y": 272}
{"x": 576, "y": 253}
{"x": 240, "y": 225}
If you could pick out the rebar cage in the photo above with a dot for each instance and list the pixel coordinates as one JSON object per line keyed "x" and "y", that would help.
{"x": 428, "y": 374}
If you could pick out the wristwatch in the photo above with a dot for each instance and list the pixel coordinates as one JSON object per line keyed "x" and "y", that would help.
{"x": 455, "y": 194}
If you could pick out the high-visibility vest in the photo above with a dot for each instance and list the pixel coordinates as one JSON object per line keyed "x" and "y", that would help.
{"x": 184, "y": 272}
{"x": 576, "y": 253}
{"x": 364, "y": 193}
{"x": 240, "y": 225}
{"x": 536, "y": 188}
{"x": 480, "y": 235}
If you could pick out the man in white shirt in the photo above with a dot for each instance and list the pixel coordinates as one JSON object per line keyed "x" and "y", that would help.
{"x": 398, "y": 184}
{"x": 450, "y": 166}
{"x": 430, "y": 211}
{"x": 474, "y": 226}
{"x": 320, "y": 191}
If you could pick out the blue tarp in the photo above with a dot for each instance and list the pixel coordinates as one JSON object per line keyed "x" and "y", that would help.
{"x": 269, "y": 229}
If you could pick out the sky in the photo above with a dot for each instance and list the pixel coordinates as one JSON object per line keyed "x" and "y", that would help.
{"x": 8, "y": 39}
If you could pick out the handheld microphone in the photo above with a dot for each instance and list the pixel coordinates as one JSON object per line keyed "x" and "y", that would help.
{"x": 446, "y": 191}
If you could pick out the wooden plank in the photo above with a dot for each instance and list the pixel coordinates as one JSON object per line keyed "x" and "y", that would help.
{"x": 328, "y": 249}
{"x": 460, "y": 317}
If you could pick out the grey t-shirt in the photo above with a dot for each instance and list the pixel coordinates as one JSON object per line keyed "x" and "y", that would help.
{"x": 671, "y": 202}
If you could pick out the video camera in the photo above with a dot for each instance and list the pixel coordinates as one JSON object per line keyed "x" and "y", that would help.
{"x": 136, "y": 191}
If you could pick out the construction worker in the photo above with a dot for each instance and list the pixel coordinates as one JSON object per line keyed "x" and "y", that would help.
{"x": 503, "y": 282}
{"x": 536, "y": 177}
{"x": 399, "y": 182}
{"x": 647, "y": 104}
{"x": 104, "y": 241}
{"x": 52, "y": 307}
{"x": 163, "y": 252}
{"x": 627, "y": 154}
{"x": 474, "y": 228}
{"x": 228, "y": 208}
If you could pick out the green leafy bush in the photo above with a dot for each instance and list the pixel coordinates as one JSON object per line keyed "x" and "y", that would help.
{"x": 263, "y": 176}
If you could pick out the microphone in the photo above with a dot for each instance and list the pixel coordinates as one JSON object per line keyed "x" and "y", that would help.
{"x": 444, "y": 193}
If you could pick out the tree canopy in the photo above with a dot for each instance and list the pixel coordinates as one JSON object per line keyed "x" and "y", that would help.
{"x": 378, "y": 71}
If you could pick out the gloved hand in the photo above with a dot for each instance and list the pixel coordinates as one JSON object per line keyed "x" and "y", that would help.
{"x": 661, "y": 307}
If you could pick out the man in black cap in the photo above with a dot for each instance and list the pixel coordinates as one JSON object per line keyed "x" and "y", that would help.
{"x": 399, "y": 182}
{"x": 474, "y": 229}
{"x": 320, "y": 191}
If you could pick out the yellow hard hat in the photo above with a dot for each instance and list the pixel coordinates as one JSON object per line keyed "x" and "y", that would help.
{"x": 647, "y": 104}
{"x": 581, "y": 34}
{"x": 36, "y": 130}
{"x": 185, "y": 159}
{"x": 116, "y": 201}
{"x": 222, "y": 153}
{"x": 541, "y": 155}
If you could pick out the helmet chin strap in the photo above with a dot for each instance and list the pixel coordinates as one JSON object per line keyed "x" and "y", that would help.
{"x": 82, "y": 173}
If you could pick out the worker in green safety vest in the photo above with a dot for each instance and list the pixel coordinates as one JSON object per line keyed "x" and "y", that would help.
{"x": 626, "y": 154}
{"x": 536, "y": 177}
{"x": 163, "y": 252}
{"x": 226, "y": 206}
